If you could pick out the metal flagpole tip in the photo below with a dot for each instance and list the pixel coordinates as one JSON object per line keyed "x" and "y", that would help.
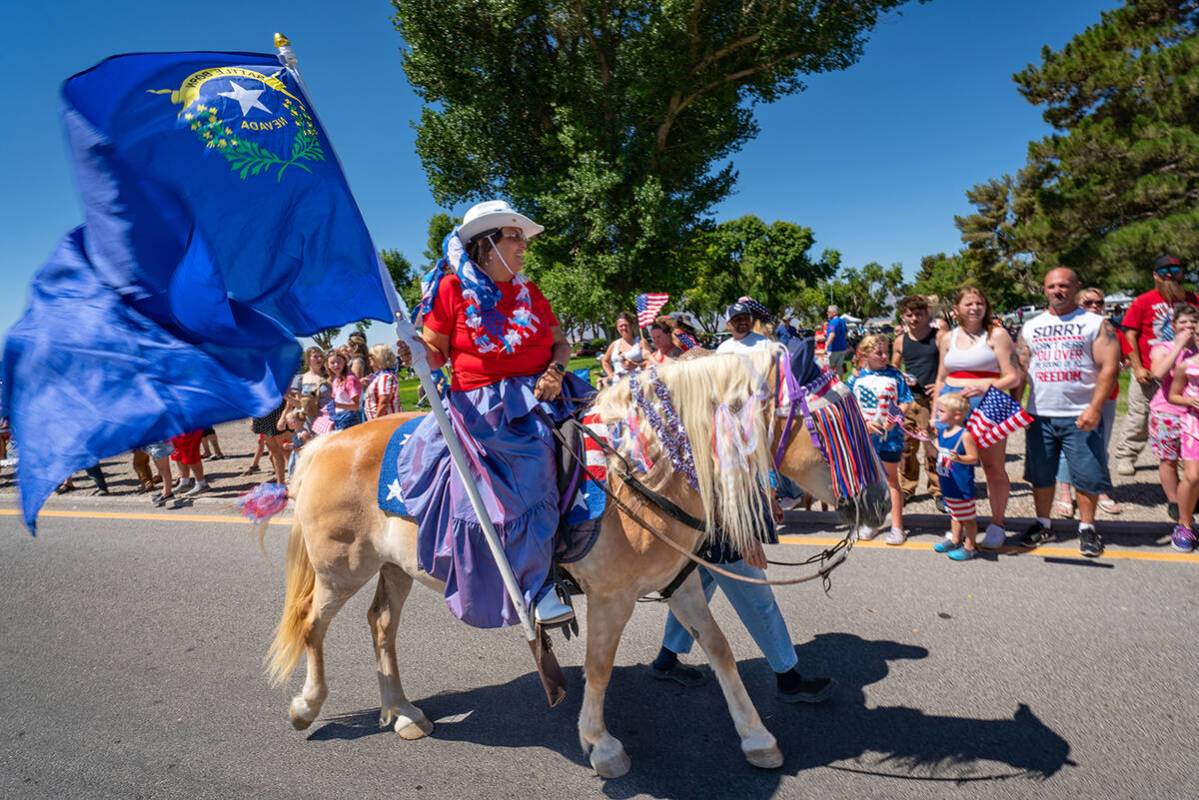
{"x": 281, "y": 40}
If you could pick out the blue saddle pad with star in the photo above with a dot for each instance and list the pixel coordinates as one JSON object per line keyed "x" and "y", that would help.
{"x": 390, "y": 499}
{"x": 583, "y": 516}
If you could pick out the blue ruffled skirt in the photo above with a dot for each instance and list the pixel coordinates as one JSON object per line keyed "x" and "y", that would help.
{"x": 511, "y": 452}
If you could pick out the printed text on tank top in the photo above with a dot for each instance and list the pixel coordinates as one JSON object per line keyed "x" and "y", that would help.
{"x": 978, "y": 358}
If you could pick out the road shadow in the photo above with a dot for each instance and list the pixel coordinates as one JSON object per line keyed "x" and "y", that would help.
{"x": 680, "y": 739}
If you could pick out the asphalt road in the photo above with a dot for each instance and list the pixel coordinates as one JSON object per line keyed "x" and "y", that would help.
{"x": 131, "y": 666}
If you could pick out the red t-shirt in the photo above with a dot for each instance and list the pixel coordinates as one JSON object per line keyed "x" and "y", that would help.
{"x": 473, "y": 369}
{"x": 1148, "y": 315}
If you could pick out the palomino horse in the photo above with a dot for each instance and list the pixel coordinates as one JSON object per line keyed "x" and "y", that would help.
{"x": 340, "y": 539}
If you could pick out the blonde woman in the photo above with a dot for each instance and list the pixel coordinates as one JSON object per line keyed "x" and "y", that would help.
{"x": 977, "y": 356}
{"x": 381, "y": 397}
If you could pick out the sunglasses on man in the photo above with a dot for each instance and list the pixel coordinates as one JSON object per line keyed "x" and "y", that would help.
{"x": 1171, "y": 271}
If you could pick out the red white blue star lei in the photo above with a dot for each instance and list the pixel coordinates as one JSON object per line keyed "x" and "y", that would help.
{"x": 516, "y": 329}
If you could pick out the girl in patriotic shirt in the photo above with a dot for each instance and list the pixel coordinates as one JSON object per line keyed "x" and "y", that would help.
{"x": 347, "y": 390}
{"x": 884, "y": 397}
{"x": 508, "y": 356}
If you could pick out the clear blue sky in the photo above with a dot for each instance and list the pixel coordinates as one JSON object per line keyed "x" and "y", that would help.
{"x": 874, "y": 159}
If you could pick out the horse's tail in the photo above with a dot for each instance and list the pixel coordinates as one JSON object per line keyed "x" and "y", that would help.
{"x": 292, "y": 632}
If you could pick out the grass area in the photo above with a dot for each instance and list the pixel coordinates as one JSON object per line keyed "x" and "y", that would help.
{"x": 407, "y": 388}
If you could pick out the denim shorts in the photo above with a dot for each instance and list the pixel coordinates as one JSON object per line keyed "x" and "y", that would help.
{"x": 158, "y": 450}
{"x": 1052, "y": 438}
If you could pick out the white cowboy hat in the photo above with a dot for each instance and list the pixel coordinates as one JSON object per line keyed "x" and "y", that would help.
{"x": 495, "y": 214}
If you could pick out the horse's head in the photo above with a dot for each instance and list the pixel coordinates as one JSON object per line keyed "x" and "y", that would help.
{"x": 826, "y": 449}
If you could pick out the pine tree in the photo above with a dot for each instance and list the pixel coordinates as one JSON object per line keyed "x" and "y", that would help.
{"x": 1118, "y": 182}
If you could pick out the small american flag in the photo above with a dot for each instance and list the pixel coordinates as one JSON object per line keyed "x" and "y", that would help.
{"x": 648, "y": 306}
{"x": 997, "y": 417}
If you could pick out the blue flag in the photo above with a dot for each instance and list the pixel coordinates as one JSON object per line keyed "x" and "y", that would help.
{"x": 218, "y": 227}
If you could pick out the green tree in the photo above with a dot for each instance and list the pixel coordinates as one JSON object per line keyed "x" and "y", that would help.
{"x": 746, "y": 256}
{"x": 611, "y": 123}
{"x": 404, "y": 276}
{"x": 870, "y": 291}
{"x": 440, "y": 224}
{"x": 1118, "y": 181}
{"x": 942, "y": 275}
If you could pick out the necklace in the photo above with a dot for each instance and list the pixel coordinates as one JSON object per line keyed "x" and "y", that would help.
{"x": 490, "y": 329}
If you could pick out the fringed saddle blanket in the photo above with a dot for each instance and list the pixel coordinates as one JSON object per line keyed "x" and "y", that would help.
{"x": 581, "y": 518}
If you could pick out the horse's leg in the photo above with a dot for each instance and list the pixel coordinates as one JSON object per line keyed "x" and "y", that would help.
{"x": 384, "y": 619}
{"x": 606, "y": 619}
{"x": 691, "y": 608}
{"x": 326, "y": 602}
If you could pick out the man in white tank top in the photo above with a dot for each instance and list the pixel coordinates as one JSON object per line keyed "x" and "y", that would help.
{"x": 1071, "y": 358}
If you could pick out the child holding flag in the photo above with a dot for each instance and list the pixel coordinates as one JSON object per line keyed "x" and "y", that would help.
{"x": 957, "y": 453}
{"x": 884, "y": 397}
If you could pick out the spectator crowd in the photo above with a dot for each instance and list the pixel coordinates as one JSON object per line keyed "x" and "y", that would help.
{"x": 916, "y": 389}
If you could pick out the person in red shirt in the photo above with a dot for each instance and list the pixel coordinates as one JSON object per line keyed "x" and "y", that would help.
{"x": 508, "y": 357}
{"x": 1149, "y": 321}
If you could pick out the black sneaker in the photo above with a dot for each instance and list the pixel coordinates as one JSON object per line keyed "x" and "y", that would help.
{"x": 679, "y": 673}
{"x": 1172, "y": 511}
{"x": 1090, "y": 543}
{"x": 794, "y": 688}
{"x": 1036, "y": 535}
{"x": 940, "y": 504}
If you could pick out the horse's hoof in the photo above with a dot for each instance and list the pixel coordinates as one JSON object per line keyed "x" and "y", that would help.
{"x": 300, "y": 714}
{"x": 298, "y": 722}
{"x": 614, "y": 766}
{"x": 413, "y": 729}
{"x": 766, "y": 758}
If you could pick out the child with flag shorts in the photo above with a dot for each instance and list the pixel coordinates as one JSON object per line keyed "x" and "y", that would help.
{"x": 884, "y": 397}
{"x": 957, "y": 454}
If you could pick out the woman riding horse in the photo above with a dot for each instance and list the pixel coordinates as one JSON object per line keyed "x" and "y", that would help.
{"x": 508, "y": 357}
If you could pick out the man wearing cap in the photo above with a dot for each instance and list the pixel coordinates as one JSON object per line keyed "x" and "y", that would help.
{"x": 741, "y": 324}
{"x": 1149, "y": 320}
{"x": 508, "y": 357}
{"x": 836, "y": 340}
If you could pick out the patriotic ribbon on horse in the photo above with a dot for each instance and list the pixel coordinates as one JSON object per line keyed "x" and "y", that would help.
{"x": 997, "y": 417}
{"x": 839, "y": 430}
{"x": 648, "y": 306}
{"x": 595, "y": 458}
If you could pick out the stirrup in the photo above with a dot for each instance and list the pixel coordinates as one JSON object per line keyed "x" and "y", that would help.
{"x": 550, "y": 610}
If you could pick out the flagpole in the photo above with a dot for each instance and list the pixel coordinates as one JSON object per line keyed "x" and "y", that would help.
{"x": 407, "y": 333}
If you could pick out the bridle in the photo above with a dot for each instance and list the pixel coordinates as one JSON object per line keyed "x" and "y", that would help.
{"x": 798, "y": 406}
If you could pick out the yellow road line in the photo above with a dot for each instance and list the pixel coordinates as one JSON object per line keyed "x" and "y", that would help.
{"x": 1054, "y": 552}
{"x": 810, "y": 541}
{"x": 221, "y": 519}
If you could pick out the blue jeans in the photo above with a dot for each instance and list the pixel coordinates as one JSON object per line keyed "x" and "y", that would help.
{"x": 755, "y": 606}
{"x": 1050, "y": 439}
{"x": 1106, "y": 423}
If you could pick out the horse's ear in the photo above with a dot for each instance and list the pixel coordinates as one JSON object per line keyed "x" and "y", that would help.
{"x": 802, "y": 353}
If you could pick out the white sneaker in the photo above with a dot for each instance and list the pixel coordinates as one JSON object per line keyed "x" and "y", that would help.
{"x": 866, "y": 533}
{"x": 993, "y": 537}
{"x": 182, "y": 485}
{"x": 896, "y": 537}
{"x": 550, "y": 610}
{"x": 199, "y": 488}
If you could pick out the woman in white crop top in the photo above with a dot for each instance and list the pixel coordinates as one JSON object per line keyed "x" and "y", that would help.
{"x": 975, "y": 356}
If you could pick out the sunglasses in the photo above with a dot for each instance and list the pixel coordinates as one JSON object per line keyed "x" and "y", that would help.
{"x": 1094, "y": 303}
{"x": 516, "y": 236}
{"x": 1167, "y": 271}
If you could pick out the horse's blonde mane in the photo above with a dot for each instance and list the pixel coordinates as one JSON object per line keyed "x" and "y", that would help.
{"x": 734, "y": 500}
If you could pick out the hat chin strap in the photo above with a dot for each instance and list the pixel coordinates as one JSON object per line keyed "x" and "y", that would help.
{"x": 503, "y": 261}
